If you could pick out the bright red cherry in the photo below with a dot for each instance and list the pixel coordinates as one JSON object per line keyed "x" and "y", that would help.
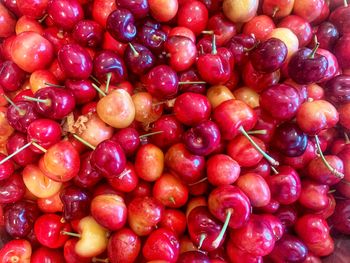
{"x": 193, "y": 15}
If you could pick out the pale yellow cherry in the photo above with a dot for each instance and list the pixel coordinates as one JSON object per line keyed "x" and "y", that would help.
{"x": 93, "y": 238}
{"x": 288, "y": 37}
{"x": 116, "y": 109}
{"x": 240, "y": 11}
{"x": 218, "y": 94}
{"x": 38, "y": 183}
{"x": 143, "y": 106}
{"x": 247, "y": 95}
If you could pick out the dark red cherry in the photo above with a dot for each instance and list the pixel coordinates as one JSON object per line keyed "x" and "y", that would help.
{"x": 87, "y": 176}
{"x": 7, "y": 168}
{"x": 82, "y": 90}
{"x": 193, "y": 257}
{"x": 11, "y": 76}
{"x": 152, "y": 37}
{"x": 340, "y": 218}
{"x": 75, "y": 61}
{"x": 340, "y": 18}
{"x": 88, "y": 33}
{"x": 121, "y": 25}
{"x": 327, "y": 34}
{"x": 290, "y": 140}
{"x": 138, "y": 59}
{"x": 239, "y": 46}
{"x": 12, "y": 189}
{"x": 76, "y": 203}
{"x": 129, "y": 140}
{"x": 193, "y": 76}
{"x": 139, "y": 8}
{"x": 268, "y": 56}
{"x": 25, "y": 156}
{"x": 337, "y": 90}
{"x": 21, "y": 116}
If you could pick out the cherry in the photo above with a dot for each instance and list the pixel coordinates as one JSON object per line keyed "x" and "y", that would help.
{"x": 290, "y": 140}
{"x": 285, "y": 186}
{"x": 187, "y": 166}
{"x": 65, "y": 13}
{"x": 191, "y": 76}
{"x": 101, "y": 10}
{"x": 327, "y": 34}
{"x": 7, "y": 168}
{"x": 299, "y": 26}
{"x": 31, "y": 52}
{"x": 333, "y": 65}
{"x": 47, "y": 254}
{"x": 259, "y": 27}
{"x": 174, "y": 220}
{"x": 82, "y": 90}
{"x": 138, "y": 58}
{"x": 309, "y": 10}
{"x": 340, "y": 217}
{"x": 268, "y": 56}
{"x": 339, "y": 17}
{"x": 193, "y": 15}
{"x": 109, "y": 210}
{"x": 139, "y": 8}
{"x": 239, "y": 46}
{"x": 193, "y": 256}
{"x": 238, "y": 255}
{"x": 50, "y": 204}
{"x": 161, "y": 82}
{"x": 25, "y": 23}
{"x": 125, "y": 245}
{"x": 223, "y": 28}
{"x": 314, "y": 195}
{"x": 8, "y": 21}
{"x": 21, "y": 115}
{"x": 202, "y": 139}
{"x": 318, "y": 171}
{"x": 48, "y": 229}
{"x": 144, "y": 213}
{"x": 289, "y": 248}
{"x": 277, "y": 9}
{"x": 337, "y": 90}
{"x": 152, "y": 37}
{"x": 120, "y": 24}
{"x": 108, "y": 158}
{"x": 12, "y": 77}
{"x": 170, "y": 191}
{"x": 76, "y": 203}
{"x": 163, "y": 11}
{"x": 18, "y": 148}
{"x": 240, "y": 13}
{"x": 88, "y": 33}
{"x": 221, "y": 169}
{"x": 19, "y": 250}
{"x": 69, "y": 253}
{"x": 61, "y": 162}
{"x": 256, "y": 237}
{"x": 182, "y": 52}
{"x": 129, "y": 140}
{"x": 203, "y": 228}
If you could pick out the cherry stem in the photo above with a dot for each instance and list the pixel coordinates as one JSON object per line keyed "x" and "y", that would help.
{"x": 15, "y": 152}
{"x": 99, "y": 90}
{"x": 155, "y": 37}
{"x": 46, "y": 102}
{"x": 95, "y": 79}
{"x": 214, "y": 49}
{"x": 53, "y": 85}
{"x": 345, "y": 3}
{"x": 218, "y": 240}
{"x": 191, "y": 82}
{"x": 274, "y": 170}
{"x": 70, "y": 234}
{"x": 208, "y": 32}
{"x": 332, "y": 191}
{"x": 150, "y": 134}
{"x": 14, "y": 259}
{"x": 136, "y": 54}
{"x": 125, "y": 172}
{"x": 346, "y": 136}
{"x": 84, "y": 142}
{"x": 329, "y": 167}
{"x": 172, "y": 199}
{"x": 257, "y": 147}
{"x": 274, "y": 11}
{"x": 313, "y": 52}
{"x": 198, "y": 182}
{"x": 43, "y": 18}
{"x": 106, "y": 260}
{"x": 21, "y": 112}
{"x": 109, "y": 76}
{"x": 39, "y": 147}
{"x": 201, "y": 240}
{"x": 262, "y": 132}
{"x": 159, "y": 103}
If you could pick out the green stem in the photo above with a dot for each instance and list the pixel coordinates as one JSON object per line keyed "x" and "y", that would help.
{"x": 191, "y": 82}
{"x": 214, "y": 49}
{"x": 70, "y": 234}
{"x": 39, "y": 147}
{"x": 99, "y": 90}
{"x": 150, "y": 134}
{"x": 329, "y": 167}
{"x": 218, "y": 240}
{"x": 201, "y": 240}
{"x": 21, "y": 112}
{"x": 313, "y": 52}
{"x": 109, "y": 76}
{"x": 345, "y": 3}
{"x": 257, "y": 147}
{"x": 274, "y": 170}
{"x": 84, "y": 142}
{"x": 136, "y": 54}
{"x": 261, "y": 132}
{"x": 208, "y": 32}
{"x": 53, "y": 85}
{"x": 15, "y": 152}
{"x": 46, "y": 102}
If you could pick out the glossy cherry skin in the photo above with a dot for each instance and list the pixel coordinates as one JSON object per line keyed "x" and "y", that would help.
{"x": 239, "y": 46}
{"x": 12, "y": 189}
{"x": 259, "y": 26}
{"x": 129, "y": 140}
{"x": 20, "y": 120}
{"x": 320, "y": 243}
{"x": 227, "y": 197}
{"x": 175, "y": 220}
{"x": 47, "y": 254}
{"x": 238, "y": 255}
{"x": 20, "y": 218}
{"x": 58, "y": 102}
{"x": 61, "y": 162}
{"x": 194, "y": 257}
{"x": 340, "y": 18}
{"x": 152, "y": 37}
{"x": 268, "y": 56}
{"x": 121, "y": 25}
{"x": 285, "y": 186}
{"x": 24, "y": 157}
{"x": 18, "y": 249}
{"x": 187, "y": 166}
{"x": 229, "y": 124}
{"x": 289, "y": 248}
{"x": 76, "y": 203}
{"x": 7, "y": 168}
{"x": 313, "y": 195}
{"x": 144, "y": 213}
{"x": 48, "y": 228}
{"x": 65, "y": 13}
{"x": 70, "y": 256}
{"x": 327, "y": 34}
{"x": 221, "y": 169}
{"x": 139, "y": 8}
{"x": 45, "y": 132}
{"x": 75, "y": 61}
{"x": 304, "y": 68}
{"x": 8, "y": 21}
{"x": 193, "y": 15}
{"x": 281, "y": 101}
{"x": 88, "y": 33}
{"x": 202, "y": 139}
{"x": 161, "y": 82}
{"x": 333, "y": 68}
{"x": 108, "y": 158}
{"x": 223, "y": 28}
{"x": 182, "y": 52}
{"x": 11, "y": 76}
{"x": 339, "y": 219}
{"x": 202, "y": 224}
{"x": 109, "y": 62}
{"x": 337, "y": 90}
{"x": 256, "y": 237}
{"x": 82, "y": 90}
{"x": 290, "y": 140}
{"x": 139, "y": 62}
{"x": 314, "y": 116}
{"x": 162, "y": 244}
{"x": 317, "y": 170}
{"x": 125, "y": 245}
{"x": 30, "y": 51}
{"x": 299, "y": 26}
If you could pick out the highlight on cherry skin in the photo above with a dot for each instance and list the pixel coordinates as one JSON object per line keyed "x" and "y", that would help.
{"x": 153, "y": 131}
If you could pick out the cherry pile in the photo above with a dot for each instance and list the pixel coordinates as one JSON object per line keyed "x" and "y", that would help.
{"x": 166, "y": 131}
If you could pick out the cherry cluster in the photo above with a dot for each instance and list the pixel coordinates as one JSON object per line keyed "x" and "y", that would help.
{"x": 168, "y": 131}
